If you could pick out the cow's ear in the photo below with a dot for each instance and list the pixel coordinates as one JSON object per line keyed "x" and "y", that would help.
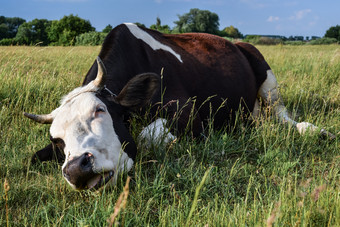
{"x": 139, "y": 90}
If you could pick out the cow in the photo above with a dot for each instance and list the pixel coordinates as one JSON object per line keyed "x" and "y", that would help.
{"x": 188, "y": 78}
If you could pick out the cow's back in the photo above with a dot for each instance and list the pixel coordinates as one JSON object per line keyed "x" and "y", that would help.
{"x": 193, "y": 65}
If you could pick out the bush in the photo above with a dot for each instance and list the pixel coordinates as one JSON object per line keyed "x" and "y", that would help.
{"x": 229, "y": 39}
{"x": 90, "y": 39}
{"x": 258, "y": 40}
{"x": 268, "y": 41}
{"x": 323, "y": 41}
{"x": 294, "y": 43}
{"x": 251, "y": 38}
{"x": 7, "y": 42}
{"x": 333, "y": 32}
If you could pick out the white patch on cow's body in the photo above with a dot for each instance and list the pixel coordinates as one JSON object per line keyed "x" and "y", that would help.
{"x": 270, "y": 93}
{"x": 85, "y": 131}
{"x": 148, "y": 39}
{"x": 156, "y": 133}
{"x": 268, "y": 89}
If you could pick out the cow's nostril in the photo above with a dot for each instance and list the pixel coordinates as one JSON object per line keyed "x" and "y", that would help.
{"x": 86, "y": 160}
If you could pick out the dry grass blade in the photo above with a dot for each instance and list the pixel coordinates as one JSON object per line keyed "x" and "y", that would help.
{"x": 120, "y": 204}
{"x": 6, "y": 189}
{"x": 273, "y": 215}
{"x": 316, "y": 193}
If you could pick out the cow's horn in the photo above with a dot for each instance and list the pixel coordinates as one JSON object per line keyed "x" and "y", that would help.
{"x": 43, "y": 119}
{"x": 101, "y": 75}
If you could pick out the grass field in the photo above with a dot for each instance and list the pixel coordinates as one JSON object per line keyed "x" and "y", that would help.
{"x": 258, "y": 176}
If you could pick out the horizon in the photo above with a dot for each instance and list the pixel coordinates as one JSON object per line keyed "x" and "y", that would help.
{"x": 250, "y": 17}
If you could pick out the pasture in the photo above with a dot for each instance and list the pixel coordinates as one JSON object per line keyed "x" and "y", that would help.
{"x": 263, "y": 174}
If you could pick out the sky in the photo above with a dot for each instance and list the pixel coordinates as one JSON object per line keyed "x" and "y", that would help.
{"x": 261, "y": 17}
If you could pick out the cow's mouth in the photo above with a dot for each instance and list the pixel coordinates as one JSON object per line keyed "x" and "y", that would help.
{"x": 99, "y": 180}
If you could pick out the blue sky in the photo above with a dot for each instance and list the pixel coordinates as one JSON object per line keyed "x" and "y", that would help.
{"x": 265, "y": 17}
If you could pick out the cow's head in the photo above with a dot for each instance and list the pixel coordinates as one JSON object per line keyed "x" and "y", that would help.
{"x": 88, "y": 127}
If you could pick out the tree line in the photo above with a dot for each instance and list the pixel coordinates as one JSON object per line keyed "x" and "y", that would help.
{"x": 16, "y": 31}
{"x": 73, "y": 30}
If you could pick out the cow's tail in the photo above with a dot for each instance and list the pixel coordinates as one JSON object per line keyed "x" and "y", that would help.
{"x": 268, "y": 91}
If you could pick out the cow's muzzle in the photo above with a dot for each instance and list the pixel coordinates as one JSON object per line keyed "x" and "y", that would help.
{"x": 79, "y": 173}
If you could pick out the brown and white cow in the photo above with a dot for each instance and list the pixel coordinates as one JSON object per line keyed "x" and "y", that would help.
{"x": 203, "y": 75}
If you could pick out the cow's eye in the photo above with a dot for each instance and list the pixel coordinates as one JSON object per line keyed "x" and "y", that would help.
{"x": 100, "y": 109}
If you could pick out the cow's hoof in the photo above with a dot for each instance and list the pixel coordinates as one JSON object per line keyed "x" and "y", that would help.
{"x": 304, "y": 127}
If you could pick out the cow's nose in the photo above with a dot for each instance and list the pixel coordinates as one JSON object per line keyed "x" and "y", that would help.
{"x": 79, "y": 170}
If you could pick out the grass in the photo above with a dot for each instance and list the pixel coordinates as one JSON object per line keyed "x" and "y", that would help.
{"x": 258, "y": 176}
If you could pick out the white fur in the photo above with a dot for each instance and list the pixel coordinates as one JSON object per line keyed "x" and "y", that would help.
{"x": 304, "y": 127}
{"x": 156, "y": 133}
{"x": 84, "y": 131}
{"x": 270, "y": 93}
{"x": 268, "y": 89}
{"x": 148, "y": 39}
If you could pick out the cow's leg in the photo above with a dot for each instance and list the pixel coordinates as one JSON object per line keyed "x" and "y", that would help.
{"x": 270, "y": 94}
{"x": 182, "y": 117}
{"x": 48, "y": 154}
{"x": 268, "y": 89}
{"x": 156, "y": 133}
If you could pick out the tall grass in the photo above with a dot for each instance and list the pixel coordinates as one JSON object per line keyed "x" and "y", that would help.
{"x": 262, "y": 175}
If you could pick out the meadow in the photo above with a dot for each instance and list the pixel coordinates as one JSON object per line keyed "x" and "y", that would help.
{"x": 262, "y": 174}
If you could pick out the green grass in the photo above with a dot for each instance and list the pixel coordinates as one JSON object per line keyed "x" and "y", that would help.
{"x": 254, "y": 177}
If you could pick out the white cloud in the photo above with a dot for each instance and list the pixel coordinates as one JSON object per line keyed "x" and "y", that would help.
{"x": 300, "y": 14}
{"x": 273, "y": 19}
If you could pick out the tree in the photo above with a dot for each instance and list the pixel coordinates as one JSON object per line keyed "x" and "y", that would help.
{"x": 107, "y": 29}
{"x": 90, "y": 39}
{"x": 159, "y": 27}
{"x": 3, "y": 31}
{"x": 333, "y": 32}
{"x": 33, "y": 32}
{"x": 64, "y": 31}
{"x": 9, "y": 26}
{"x": 232, "y": 32}
{"x": 198, "y": 21}
{"x": 140, "y": 24}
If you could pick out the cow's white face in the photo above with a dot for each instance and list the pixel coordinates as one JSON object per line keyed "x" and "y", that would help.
{"x": 85, "y": 126}
{"x": 92, "y": 134}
